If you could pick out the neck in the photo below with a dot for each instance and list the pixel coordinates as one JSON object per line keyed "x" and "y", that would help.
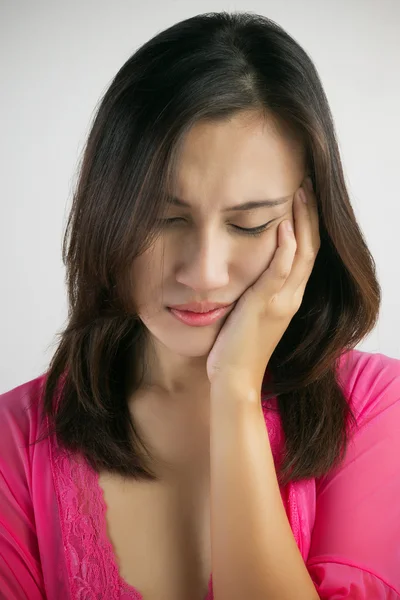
{"x": 172, "y": 374}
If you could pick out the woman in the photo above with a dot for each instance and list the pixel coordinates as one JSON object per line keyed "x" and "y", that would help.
{"x": 206, "y": 428}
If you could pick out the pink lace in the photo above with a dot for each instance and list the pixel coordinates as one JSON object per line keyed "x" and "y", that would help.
{"x": 91, "y": 562}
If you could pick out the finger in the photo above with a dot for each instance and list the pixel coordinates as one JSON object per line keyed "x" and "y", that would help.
{"x": 313, "y": 211}
{"x": 274, "y": 277}
{"x": 307, "y": 236}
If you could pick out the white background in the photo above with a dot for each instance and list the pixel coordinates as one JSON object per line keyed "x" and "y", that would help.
{"x": 56, "y": 60}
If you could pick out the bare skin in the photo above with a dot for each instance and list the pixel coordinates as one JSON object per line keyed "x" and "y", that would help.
{"x": 160, "y": 530}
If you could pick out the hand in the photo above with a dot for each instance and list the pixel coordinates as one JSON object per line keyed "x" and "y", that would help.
{"x": 262, "y": 314}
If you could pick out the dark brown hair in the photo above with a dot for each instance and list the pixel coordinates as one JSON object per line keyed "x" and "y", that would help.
{"x": 208, "y": 67}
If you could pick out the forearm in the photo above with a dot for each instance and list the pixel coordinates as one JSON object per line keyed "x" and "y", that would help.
{"x": 254, "y": 553}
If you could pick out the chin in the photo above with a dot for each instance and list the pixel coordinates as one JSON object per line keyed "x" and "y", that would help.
{"x": 182, "y": 339}
{"x": 192, "y": 345}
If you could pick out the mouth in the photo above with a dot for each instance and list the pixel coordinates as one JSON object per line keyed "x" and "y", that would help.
{"x": 200, "y": 319}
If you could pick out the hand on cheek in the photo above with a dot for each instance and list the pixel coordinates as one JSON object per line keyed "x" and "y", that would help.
{"x": 262, "y": 314}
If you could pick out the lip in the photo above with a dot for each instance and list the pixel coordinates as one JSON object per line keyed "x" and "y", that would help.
{"x": 200, "y": 307}
{"x": 199, "y": 319}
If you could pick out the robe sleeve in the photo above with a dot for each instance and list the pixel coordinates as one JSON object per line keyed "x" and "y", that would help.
{"x": 355, "y": 541}
{"x": 20, "y": 568}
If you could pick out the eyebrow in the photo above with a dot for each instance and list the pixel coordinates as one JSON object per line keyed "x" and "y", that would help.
{"x": 251, "y": 204}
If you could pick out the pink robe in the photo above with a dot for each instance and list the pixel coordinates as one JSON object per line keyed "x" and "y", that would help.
{"x": 53, "y": 537}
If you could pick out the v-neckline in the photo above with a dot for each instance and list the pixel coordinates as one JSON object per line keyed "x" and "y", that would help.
{"x": 125, "y": 587}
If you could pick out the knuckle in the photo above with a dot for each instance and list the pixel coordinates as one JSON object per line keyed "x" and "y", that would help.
{"x": 297, "y": 300}
{"x": 283, "y": 273}
{"x": 278, "y": 306}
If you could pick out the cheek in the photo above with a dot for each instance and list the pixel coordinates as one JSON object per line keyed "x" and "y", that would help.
{"x": 147, "y": 277}
{"x": 252, "y": 263}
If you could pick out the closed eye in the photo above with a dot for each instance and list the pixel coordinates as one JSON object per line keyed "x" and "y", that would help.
{"x": 242, "y": 230}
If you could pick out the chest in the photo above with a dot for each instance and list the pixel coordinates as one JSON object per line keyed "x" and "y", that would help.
{"x": 160, "y": 531}
{"x": 161, "y": 536}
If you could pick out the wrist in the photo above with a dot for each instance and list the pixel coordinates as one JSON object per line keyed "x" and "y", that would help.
{"x": 235, "y": 390}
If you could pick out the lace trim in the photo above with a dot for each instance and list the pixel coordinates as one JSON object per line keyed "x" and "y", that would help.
{"x": 90, "y": 558}
{"x": 91, "y": 562}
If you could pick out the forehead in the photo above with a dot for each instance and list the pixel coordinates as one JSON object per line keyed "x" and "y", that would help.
{"x": 246, "y": 154}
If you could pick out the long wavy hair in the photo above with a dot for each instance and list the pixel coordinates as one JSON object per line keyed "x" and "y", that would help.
{"x": 208, "y": 67}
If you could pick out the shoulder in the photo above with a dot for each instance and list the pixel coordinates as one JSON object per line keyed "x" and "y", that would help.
{"x": 370, "y": 381}
{"x": 356, "y": 532}
{"x": 20, "y": 416}
{"x": 23, "y": 402}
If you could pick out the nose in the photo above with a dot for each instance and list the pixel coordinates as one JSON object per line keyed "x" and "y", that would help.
{"x": 203, "y": 262}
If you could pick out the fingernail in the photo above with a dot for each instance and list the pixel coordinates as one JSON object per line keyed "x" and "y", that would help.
{"x": 289, "y": 227}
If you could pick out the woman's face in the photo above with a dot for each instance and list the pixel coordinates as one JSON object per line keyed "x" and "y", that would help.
{"x": 202, "y": 255}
